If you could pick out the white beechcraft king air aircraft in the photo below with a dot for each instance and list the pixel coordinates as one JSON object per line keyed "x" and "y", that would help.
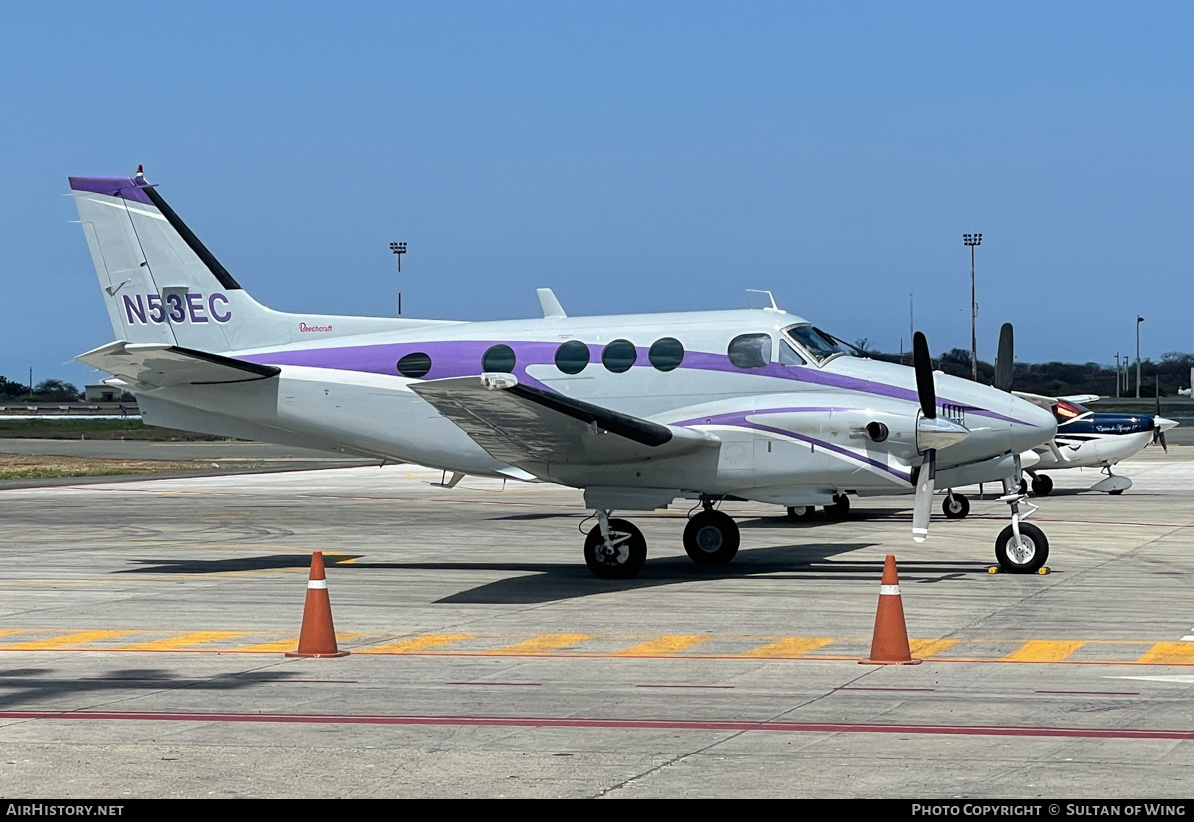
{"x": 637, "y": 410}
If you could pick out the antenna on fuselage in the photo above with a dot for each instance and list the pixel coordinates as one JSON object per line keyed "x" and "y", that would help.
{"x": 770, "y": 296}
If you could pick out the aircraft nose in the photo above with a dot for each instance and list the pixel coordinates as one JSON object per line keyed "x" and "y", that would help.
{"x": 1039, "y": 425}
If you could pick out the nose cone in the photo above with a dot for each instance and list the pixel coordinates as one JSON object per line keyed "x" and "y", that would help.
{"x": 1162, "y": 424}
{"x": 1038, "y": 425}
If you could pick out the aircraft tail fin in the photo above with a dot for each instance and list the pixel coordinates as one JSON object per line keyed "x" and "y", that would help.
{"x": 161, "y": 284}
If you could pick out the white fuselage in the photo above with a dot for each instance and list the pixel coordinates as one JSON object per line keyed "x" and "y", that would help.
{"x": 788, "y": 432}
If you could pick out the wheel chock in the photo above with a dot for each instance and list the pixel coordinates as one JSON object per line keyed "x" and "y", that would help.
{"x": 1044, "y": 569}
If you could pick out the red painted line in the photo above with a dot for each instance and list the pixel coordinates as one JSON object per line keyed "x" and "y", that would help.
{"x": 630, "y": 724}
{"x": 860, "y": 688}
{"x": 1092, "y": 693}
{"x": 531, "y": 684}
{"x": 714, "y": 687}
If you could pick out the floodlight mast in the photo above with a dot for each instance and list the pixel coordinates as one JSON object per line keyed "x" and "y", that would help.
{"x": 1139, "y": 320}
{"x": 973, "y": 240}
{"x": 398, "y": 249}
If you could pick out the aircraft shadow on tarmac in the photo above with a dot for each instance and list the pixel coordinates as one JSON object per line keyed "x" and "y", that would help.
{"x": 266, "y": 562}
{"x": 30, "y": 688}
{"x": 537, "y": 582}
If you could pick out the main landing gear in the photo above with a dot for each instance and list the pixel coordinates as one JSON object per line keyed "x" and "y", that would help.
{"x": 615, "y": 549}
{"x": 839, "y": 509}
{"x": 1115, "y": 484}
{"x": 1042, "y": 484}
{"x": 955, "y": 506}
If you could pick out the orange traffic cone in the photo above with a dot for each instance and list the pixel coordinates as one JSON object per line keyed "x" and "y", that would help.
{"x": 317, "y": 637}
{"x": 890, "y": 643}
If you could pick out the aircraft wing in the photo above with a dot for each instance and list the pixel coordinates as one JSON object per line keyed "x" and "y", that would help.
{"x": 1048, "y": 402}
{"x": 520, "y": 425}
{"x": 158, "y": 365}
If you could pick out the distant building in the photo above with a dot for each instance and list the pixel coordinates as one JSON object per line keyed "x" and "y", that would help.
{"x": 101, "y": 393}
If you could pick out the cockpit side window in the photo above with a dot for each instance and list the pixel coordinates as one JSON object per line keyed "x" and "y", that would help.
{"x": 750, "y": 350}
{"x": 819, "y": 345}
{"x": 788, "y": 355}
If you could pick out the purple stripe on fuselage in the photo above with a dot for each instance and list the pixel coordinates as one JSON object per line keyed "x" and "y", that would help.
{"x": 459, "y": 358}
{"x": 124, "y": 187}
{"x": 739, "y": 420}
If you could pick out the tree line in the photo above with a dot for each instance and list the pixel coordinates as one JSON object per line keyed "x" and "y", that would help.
{"x": 1059, "y": 379}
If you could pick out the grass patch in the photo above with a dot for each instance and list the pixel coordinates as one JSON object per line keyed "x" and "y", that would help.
{"x": 68, "y": 429}
{"x": 28, "y": 466}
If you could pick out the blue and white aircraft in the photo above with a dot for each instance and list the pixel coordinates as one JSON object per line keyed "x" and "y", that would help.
{"x": 1092, "y": 439}
{"x": 636, "y": 410}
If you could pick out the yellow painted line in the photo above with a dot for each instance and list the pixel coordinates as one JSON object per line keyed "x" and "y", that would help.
{"x": 77, "y": 638}
{"x": 415, "y": 644}
{"x": 1164, "y": 652}
{"x": 931, "y": 647}
{"x": 791, "y": 646}
{"x": 1043, "y": 650}
{"x": 663, "y": 645}
{"x": 280, "y": 645}
{"x": 542, "y": 644}
{"x": 185, "y": 641}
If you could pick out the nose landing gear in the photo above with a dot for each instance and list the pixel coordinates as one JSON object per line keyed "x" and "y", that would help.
{"x": 1021, "y": 547}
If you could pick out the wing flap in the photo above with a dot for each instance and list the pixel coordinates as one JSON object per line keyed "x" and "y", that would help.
{"x": 157, "y": 365}
{"x": 520, "y": 424}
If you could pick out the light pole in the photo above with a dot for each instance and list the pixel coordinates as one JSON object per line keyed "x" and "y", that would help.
{"x": 398, "y": 250}
{"x": 1139, "y": 320}
{"x": 973, "y": 240}
{"x": 1117, "y": 380}
{"x": 911, "y": 322}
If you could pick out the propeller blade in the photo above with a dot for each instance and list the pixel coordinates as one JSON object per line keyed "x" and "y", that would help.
{"x": 924, "y": 497}
{"x": 924, "y": 375}
{"x": 1004, "y": 358}
{"x": 1164, "y": 447}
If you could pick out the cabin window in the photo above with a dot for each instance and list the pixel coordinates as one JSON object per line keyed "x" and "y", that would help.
{"x": 499, "y": 358}
{"x": 414, "y": 365}
{"x": 750, "y": 350}
{"x": 666, "y": 354}
{"x": 619, "y": 356}
{"x": 572, "y": 357}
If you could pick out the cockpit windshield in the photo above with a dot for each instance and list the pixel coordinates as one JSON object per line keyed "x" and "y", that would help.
{"x": 1066, "y": 411}
{"x": 820, "y": 346}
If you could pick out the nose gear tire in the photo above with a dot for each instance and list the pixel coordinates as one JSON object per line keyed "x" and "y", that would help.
{"x": 1026, "y": 558}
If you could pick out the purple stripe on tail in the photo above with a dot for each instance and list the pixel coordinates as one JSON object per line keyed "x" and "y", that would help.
{"x": 126, "y": 188}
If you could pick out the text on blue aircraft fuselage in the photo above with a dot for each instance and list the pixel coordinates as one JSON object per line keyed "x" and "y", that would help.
{"x": 176, "y": 307}
{"x": 1102, "y": 423}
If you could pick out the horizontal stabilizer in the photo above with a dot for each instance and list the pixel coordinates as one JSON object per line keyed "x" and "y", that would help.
{"x": 157, "y": 365}
{"x": 522, "y": 425}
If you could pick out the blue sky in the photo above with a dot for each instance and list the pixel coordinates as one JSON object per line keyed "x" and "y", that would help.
{"x": 632, "y": 156}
